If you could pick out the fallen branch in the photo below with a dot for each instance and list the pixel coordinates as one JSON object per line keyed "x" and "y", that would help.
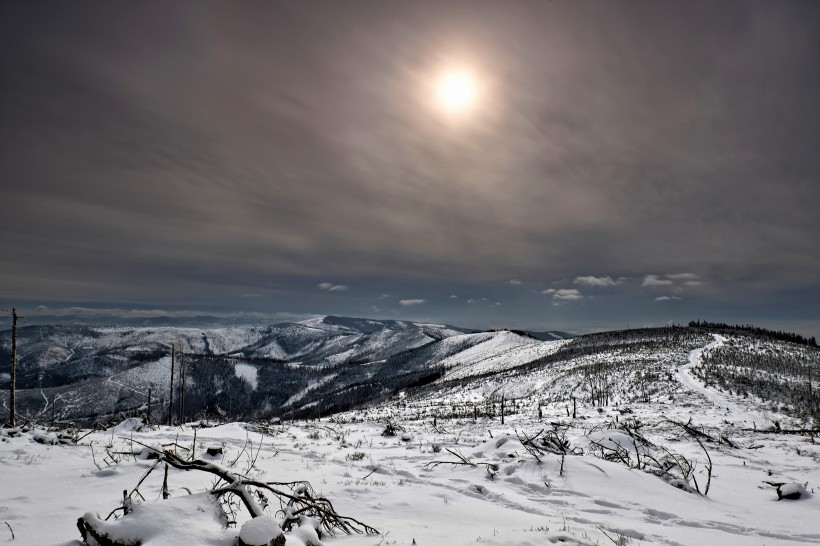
{"x": 696, "y": 435}
{"x": 492, "y": 468}
{"x": 297, "y": 500}
{"x": 691, "y": 430}
{"x": 462, "y": 460}
{"x": 300, "y": 500}
{"x": 800, "y": 431}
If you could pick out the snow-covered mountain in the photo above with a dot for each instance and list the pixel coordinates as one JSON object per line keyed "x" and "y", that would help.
{"x": 310, "y": 367}
{"x": 330, "y": 364}
{"x": 671, "y": 436}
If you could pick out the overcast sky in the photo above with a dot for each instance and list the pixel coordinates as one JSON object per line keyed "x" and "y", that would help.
{"x": 623, "y": 164}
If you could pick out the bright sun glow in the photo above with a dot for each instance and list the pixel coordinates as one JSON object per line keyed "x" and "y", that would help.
{"x": 456, "y": 91}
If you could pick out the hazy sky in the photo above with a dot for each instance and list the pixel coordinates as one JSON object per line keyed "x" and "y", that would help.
{"x": 624, "y": 163}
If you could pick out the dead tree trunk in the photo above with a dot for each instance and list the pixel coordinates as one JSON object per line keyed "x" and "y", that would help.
{"x": 171, "y": 395}
{"x": 182, "y": 365}
{"x": 13, "y": 385}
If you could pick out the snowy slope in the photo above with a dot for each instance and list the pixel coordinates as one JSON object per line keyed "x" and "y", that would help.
{"x": 116, "y": 366}
{"x": 393, "y": 487}
{"x": 463, "y": 480}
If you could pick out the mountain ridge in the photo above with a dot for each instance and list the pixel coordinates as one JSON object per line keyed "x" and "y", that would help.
{"x": 329, "y": 364}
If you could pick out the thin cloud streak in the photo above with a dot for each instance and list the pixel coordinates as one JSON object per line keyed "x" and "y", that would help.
{"x": 412, "y": 302}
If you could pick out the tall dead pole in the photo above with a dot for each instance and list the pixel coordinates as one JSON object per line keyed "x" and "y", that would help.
{"x": 182, "y": 365}
{"x": 13, "y": 384}
{"x": 171, "y": 395}
{"x": 148, "y": 417}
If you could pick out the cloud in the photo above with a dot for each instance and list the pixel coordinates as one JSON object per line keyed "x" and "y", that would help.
{"x": 115, "y": 312}
{"x": 412, "y": 302}
{"x": 683, "y": 276}
{"x": 591, "y": 280}
{"x": 515, "y": 281}
{"x": 330, "y": 287}
{"x": 470, "y": 301}
{"x": 656, "y": 280}
{"x": 453, "y": 297}
{"x": 564, "y": 294}
{"x": 670, "y": 279}
{"x": 90, "y": 312}
{"x": 567, "y": 294}
{"x": 667, "y": 298}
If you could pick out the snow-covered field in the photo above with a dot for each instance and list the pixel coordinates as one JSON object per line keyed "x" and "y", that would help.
{"x": 503, "y": 496}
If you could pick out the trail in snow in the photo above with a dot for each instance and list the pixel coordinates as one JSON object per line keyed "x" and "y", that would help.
{"x": 123, "y": 385}
{"x": 717, "y": 398}
{"x": 45, "y": 408}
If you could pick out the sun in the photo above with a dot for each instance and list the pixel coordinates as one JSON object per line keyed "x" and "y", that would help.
{"x": 456, "y": 91}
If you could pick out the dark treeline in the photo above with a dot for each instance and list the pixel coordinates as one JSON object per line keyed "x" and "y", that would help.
{"x": 723, "y": 328}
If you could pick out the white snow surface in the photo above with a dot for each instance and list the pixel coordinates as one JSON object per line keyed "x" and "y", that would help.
{"x": 188, "y": 519}
{"x": 507, "y": 498}
{"x": 260, "y": 531}
{"x": 248, "y": 373}
{"x": 735, "y": 412}
{"x": 500, "y": 351}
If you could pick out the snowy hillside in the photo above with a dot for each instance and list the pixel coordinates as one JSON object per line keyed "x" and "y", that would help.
{"x": 83, "y": 373}
{"x": 665, "y": 460}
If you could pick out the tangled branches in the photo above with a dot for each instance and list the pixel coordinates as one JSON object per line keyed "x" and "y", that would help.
{"x": 297, "y": 500}
{"x": 549, "y": 441}
{"x": 626, "y": 444}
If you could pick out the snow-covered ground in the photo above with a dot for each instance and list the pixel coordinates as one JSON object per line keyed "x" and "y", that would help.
{"x": 504, "y": 497}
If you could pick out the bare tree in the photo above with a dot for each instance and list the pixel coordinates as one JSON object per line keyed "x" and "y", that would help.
{"x": 183, "y": 369}
{"x": 171, "y": 388}
{"x": 13, "y": 384}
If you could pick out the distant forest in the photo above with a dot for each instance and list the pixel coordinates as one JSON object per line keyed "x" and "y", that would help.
{"x": 723, "y": 328}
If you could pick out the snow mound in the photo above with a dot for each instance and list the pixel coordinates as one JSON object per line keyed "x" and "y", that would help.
{"x": 192, "y": 519}
{"x": 43, "y": 437}
{"x": 132, "y": 424}
{"x": 791, "y": 491}
{"x": 260, "y": 531}
{"x": 612, "y": 439}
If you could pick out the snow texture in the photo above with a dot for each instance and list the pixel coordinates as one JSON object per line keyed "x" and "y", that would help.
{"x": 260, "y": 531}
{"x": 499, "y": 494}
